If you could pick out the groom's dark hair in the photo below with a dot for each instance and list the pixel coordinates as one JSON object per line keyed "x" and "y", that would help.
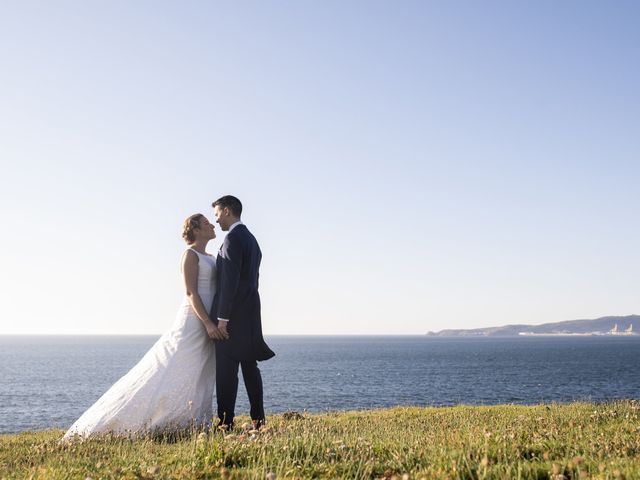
{"x": 230, "y": 202}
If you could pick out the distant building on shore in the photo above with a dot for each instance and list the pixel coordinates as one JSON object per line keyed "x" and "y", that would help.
{"x": 614, "y": 331}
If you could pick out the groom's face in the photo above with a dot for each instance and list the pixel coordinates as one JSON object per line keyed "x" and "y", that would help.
{"x": 222, "y": 217}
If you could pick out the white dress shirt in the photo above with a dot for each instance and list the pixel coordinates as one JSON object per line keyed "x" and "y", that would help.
{"x": 234, "y": 226}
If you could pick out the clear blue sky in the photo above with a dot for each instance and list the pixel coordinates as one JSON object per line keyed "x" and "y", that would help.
{"x": 405, "y": 166}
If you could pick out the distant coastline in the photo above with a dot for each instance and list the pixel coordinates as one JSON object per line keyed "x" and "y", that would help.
{"x": 613, "y": 326}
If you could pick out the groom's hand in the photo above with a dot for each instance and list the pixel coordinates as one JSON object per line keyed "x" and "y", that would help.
{"x": 214, "y": 332}
{"x": 222, "y": 327}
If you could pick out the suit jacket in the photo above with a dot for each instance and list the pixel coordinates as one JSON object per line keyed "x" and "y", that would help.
{"x": 237, "y": 298}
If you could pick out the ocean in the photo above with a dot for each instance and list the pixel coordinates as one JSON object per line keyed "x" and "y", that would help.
{"x": 48, "y": 381}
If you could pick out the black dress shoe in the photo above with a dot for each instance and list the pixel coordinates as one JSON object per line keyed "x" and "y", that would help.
{"x": 258, "y": 424}
{"x": 226, "y": 427}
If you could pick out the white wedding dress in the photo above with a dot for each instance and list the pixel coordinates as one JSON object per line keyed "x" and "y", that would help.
{"x": 171, "y": 387}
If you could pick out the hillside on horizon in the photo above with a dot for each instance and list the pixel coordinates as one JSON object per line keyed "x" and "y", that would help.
{"x": 602, "y": 324}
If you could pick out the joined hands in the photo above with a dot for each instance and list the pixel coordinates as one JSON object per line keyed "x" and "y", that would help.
{"x": 219, "y": 332}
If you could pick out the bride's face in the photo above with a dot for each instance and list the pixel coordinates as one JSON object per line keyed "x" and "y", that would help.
{"x": 207, "y": 230}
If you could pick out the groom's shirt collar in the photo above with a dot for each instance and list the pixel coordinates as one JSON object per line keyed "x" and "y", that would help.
{"x": 234, "y": 226}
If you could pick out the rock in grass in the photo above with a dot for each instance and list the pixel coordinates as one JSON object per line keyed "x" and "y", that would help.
{"x": 292, "y": 416}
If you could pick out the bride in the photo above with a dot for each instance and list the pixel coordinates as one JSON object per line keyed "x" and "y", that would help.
{"x": 172, "y": 386}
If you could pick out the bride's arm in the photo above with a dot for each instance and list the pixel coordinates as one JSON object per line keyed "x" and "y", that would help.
{"x": 190, "y": 276}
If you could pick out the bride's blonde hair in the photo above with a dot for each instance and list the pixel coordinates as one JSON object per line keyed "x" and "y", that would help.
{"x": 190, "y": 224}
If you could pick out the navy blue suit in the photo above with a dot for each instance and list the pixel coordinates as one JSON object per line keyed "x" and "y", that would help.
{"x": 237, "y": 300}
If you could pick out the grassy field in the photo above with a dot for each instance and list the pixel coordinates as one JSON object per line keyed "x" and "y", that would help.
{"x": 580, "y": 440}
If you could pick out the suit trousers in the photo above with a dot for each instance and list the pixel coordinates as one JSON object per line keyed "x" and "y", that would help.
{"x": 227, "y": 387}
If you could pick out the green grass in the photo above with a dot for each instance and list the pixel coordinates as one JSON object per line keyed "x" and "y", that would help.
{"x": 558, "y": 441}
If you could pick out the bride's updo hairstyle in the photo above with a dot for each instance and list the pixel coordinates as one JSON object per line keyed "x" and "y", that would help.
{"x": 190, "y": 224}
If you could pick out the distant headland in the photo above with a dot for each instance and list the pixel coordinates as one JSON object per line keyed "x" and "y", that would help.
{"x": 605, "y": 326}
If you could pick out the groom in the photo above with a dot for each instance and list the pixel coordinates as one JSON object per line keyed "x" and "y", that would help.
{"x": 237, "y": 308}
